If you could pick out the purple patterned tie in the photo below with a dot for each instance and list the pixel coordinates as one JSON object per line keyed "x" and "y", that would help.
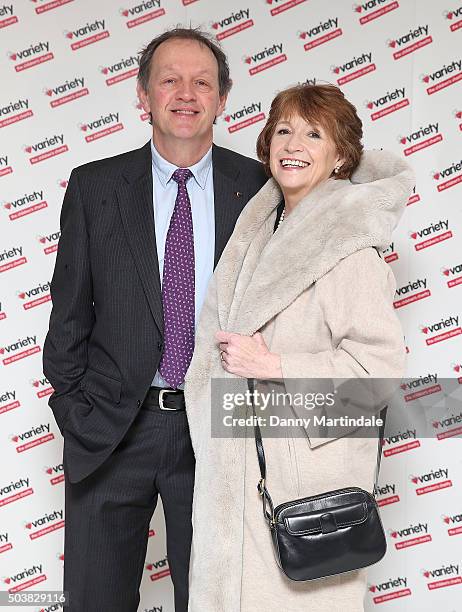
{"x": 178, "y": 287}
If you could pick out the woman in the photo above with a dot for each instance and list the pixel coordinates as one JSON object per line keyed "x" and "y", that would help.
{"x": 305, "y": 295}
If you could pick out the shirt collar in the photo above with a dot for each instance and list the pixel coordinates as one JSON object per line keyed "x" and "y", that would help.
{"x": 164, "y": 169}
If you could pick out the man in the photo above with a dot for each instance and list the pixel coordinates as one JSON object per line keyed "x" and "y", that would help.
{"x": 141, "y": 234}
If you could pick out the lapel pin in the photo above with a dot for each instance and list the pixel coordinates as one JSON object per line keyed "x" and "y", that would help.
{"x": 238, "y": 194}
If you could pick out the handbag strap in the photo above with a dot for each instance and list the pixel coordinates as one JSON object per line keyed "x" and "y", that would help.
{"x": 268, "y": 507}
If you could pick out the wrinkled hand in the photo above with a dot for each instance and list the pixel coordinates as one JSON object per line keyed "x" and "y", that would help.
{"x": 248, "y": 356}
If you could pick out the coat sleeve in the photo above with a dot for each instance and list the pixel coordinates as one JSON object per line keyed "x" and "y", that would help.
{"x": 356, "y": 298}
{"x": 72, "y": 315}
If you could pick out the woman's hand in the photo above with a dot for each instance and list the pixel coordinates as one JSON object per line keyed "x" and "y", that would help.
{"x": 248, "y": 356}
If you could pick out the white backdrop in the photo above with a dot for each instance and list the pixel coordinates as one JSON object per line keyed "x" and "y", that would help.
{"x": 68, "y": 69}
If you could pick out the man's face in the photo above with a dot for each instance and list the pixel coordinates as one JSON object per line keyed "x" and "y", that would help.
{"x": 182, "y": 94}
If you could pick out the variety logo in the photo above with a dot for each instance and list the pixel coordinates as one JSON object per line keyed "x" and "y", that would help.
{"x": 431, "y": 130}
{"x": 365, "y": 58}
{"x": 32, "y": 437}
{"x": 383, "y": 590}
{"x": 36, "y": 54}
{"x": 451, "y": 323}
{"x": 451, "y": 425}
{"x": 442, "y": 573}
{"x": 454, "y": 13}
{"x": 389, "y": 253}
{"x": 385, "y": 6}
{"x": 49, "y": 522}
{"x": 238, "y": 22}
{"x": 419, "y": 35}
{"x": 247, "y": 115}
{"x": 386, "y": 104}
{"x": 111, "y": 120}
{"x": 51, "y": 146}
{"x": 143, "y": 12}
{"x": 434, "y": 480}
{"x": 433, "y": 234}
{"x": 51, "y": 242}
{"x": 56, "y": 472}
{"x": 260, "y": 58}
{"x": 8, "y": 401}
{"x": 431, "y": 77}
{"x": 386, "y": 493}
{"x": 455, "y": 519}
{"x": 400, "y": 442}
{"x": 6, "y": 12}
{"x": 23, "y": 205}
{"x": 419, "y": 285}
{"x": 121, "y": 70}
{"x": 283, "y": 7}
{"x": 35, "y": 296}
{"x": 161, "y": 567}
{"x": 14, "y": 491}
{"x": 5, "y": 168}
{"x": 452, "y": 271}
{"x": 420, "y": 387}
{"x": 67, "y": 91}
{"x": 324, "y": 32}
{"x": 83, "y": 35}
{"x": 8, "y": 110}
{"x": 43, "y": 386}
{"x": 21, "y": 343}
{"x": 33, "y": 575}
{"x": 12, "y": 257}
{"x": 411, "y": 535}
{"x": 43, "y": 9}
{"x": 448, "y": 171}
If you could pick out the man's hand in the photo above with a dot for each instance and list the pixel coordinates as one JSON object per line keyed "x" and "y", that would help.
{"x": 248, "y": 356}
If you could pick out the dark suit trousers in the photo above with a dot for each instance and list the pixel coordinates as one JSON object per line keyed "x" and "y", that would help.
{"x": 107, "y": 515}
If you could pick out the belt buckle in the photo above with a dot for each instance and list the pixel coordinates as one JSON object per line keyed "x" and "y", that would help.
{"x": 161, "y": 399}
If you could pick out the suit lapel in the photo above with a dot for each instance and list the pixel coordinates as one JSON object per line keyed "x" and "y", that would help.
{"x": 135, "y": 200}
{"x": 228, "y": 198}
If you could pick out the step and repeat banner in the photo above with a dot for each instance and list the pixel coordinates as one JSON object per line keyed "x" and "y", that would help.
{"x": 68, "y": 72}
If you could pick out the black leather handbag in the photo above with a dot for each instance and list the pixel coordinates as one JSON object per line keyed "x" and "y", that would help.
{"x": 322, "y": 535}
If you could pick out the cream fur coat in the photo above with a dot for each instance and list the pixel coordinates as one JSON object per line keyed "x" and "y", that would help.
{"x": 322, "y": 298}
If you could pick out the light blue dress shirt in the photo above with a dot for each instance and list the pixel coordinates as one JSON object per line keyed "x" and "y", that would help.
{"x": 201, "y": 196}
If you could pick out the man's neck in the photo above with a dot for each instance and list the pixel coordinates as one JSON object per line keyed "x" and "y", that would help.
{"x": 181, "y": 153}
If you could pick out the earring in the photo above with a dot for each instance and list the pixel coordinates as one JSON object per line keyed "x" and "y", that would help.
{"x": 336, "y": 169}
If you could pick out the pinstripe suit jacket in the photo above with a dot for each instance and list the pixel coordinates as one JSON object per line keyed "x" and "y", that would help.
{"x": 105, "y": 336}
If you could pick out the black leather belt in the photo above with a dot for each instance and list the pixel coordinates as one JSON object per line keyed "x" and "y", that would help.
{"x": 165, "y": 399}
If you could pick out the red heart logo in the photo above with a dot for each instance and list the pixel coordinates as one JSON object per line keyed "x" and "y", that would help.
{"x": 149, "y": 566}
{"x": 403, "y": 140}
{"x": 84, "y": 127}
{"x": 370, "y": 105}
{"x": 426, "y": 79}
{"x": 303, "y": 35}
{"x": 457, "y": 368}
{"x": 42, "y": 239}
{"x": 404, "y": 386}
{"x": 394, "y": 534}
{"x": 13, "y": 57}
{"x": 36, "y": 383}
{"x": 104, "y": 70}
{"x": 446, "y": 272}
{"x": 2, "y": 350}
{"x": 392, "y": 43}
{"x": 28, "y": 525}
{"x": 29, "y": 149}
{"x": 69, "y": 35}
{"x": 436, "y": 176}
{"x": 49, "y": 92}
{"x": 248, "y": 60}
{"x": 436, "y": 424}
{"x": 414, "y": 235}
{"x": 22, "y": 295}
{"x": 269, "y": 1}
{"x": 446, "y": 520}
{"x": 7, "y": 580}
{"x": 450, "y": 15}
{"x": 49, "y": 471}
{"x": 425, "y": 330}
{"x": 358, "y": 9}
{"x": 61, "y": 557}
{"x": 15, "y": 438}
{"x": 125, "y": 13}
{"x": 459, "y": 114}
{"x": 415, "y": 480}
{"x": 372, "y": 588}
{"x": 426, "y": 574}
{"x": 215, "y": 26}
{"x": 63, "y": 183}
{"x": 337, "y": 70}
{"x": 228, "y": 118}
{"x": 8, "y": 205}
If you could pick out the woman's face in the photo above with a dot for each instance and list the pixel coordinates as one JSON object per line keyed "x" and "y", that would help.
{"x": 302, "y": 155}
